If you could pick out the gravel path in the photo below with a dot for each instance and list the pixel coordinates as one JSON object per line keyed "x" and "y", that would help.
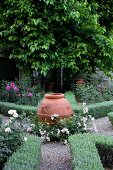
{"x": 104, "y": 126}
{"x": 55, "y": 156}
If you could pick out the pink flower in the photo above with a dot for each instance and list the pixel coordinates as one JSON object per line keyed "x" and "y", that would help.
{"x": 30, "y": 94}
{"x": 19, "y": 95}
{"x": 8, "y": 87}
{"x": 12, "y": 85}
{"x": 28, "y": 88}
{"x": 16, "y": 89}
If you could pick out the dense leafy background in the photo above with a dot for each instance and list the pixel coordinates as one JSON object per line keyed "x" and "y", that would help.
{"x": 46, "y": 34}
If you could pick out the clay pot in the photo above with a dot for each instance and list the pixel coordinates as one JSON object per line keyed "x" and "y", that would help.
{"x": 54, "y": 103}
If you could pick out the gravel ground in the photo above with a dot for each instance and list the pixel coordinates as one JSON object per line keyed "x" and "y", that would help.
{"x": 55, "y": 156}
{"x": 104, "y": 126}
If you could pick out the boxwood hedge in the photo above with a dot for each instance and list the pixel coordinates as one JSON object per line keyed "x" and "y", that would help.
{"x": 27, "y": 157}
{"x": 91, "y": 151}
{"x": 97, "y": 110}
{"x": 5, "y": 106}
{"x": 110, "y": 116}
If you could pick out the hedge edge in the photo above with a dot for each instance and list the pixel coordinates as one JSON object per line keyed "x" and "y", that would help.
{"x": 84, "y": 152}
{"x": 5, "y": 106}
{"x": 27, "y": 157}
{"x": 96, "y": 110}
{"x": 110, "y": 116}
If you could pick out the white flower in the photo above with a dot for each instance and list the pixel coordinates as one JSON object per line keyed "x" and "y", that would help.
{"x": 65, "y": 130}
{"x": 58, "y": 132}
{"x": 52, "y": 132}
{"x": 11, "y": 112}
{"x": 32, "y": 125}
{"x": 29, "y": 129}
{"x": 65, "y": 142}
{"x": 92, "y": 119}
{"x": 85, "y": 126}
{"x": 25, "y": 139}
{"x": 54, "y": 116}
{"x": 15, "y": 115}
{"x": 85, "y": 110}
{"x": 84, "y": 119}
{"x": 42, "y": 132}
{"x": 83, "y": 104}
{"x": 48, "y": 138}
{"x": 79, "y": 124}
{"x": 8, "y": 129}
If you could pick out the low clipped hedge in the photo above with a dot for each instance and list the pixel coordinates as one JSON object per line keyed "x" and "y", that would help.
{"x": 91, "y": 151}
{"x": 110, "y": 116}
{"x": 5, "y": 107}
{"x": 96, "y": 110}
{"x": 27, "y": 157}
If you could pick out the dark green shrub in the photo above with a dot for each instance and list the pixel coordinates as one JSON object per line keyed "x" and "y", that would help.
{"x": 110, "y": 116}
{"x": 87, "y": 93}
{"x": 27, "y": 157}
{"x": 86, "y": 149}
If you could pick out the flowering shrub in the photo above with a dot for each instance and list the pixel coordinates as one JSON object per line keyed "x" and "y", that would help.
{"x": 9, "y": 92}
{"x": 21, "y": 93}
{"x": 80, "y": 122}
{"x": 10, "y": 136}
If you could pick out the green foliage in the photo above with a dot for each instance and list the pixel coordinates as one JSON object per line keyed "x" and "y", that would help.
{"x": 106, "y": 12}
{"x": 96, "y": 110}
{"x": 69, "y": 95}
{"x": 85, "y": 148}
{"x": 5, "y": 106}
{"x": 92, "y": 93}
{"x": 110, "y": 116}
{"x": 50, "y": 34}
{"x": 87, "y": 93}
{"x": 27, "y": 157}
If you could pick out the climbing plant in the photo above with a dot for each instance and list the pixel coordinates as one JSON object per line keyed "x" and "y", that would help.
{"x": 47, "y": 34}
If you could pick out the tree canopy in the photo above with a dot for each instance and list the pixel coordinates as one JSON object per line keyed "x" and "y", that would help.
{"x": 47, "y": 34}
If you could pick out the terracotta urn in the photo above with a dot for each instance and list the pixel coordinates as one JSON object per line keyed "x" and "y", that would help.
{"x": 54, "y": 104}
